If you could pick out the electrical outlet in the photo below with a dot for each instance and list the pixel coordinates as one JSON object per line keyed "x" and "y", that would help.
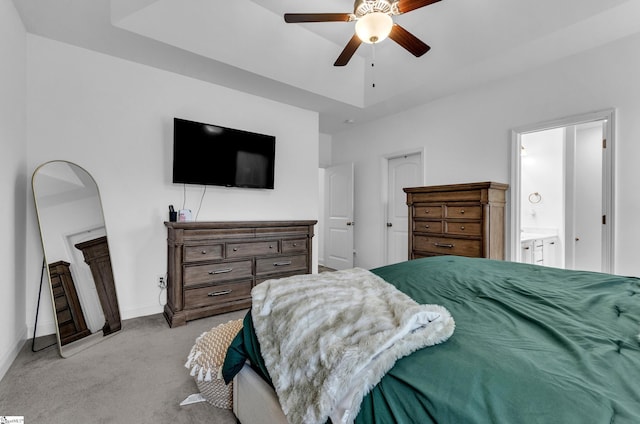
{"x": 162, "y": 282}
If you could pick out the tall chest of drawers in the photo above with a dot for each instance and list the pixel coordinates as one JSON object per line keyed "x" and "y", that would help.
{"x": 212, "y": 266}
{"x": 458, "y": 219}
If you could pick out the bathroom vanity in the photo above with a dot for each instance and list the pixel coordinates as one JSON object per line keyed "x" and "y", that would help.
{"x": 539, "y": 249}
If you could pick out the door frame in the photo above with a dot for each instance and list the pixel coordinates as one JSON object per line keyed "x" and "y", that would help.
{"x": 608, "y": 179}
{"x": 384, "y": 187}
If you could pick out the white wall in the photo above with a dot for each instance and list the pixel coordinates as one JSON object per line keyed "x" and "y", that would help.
{"x": 324, "y": 162}
{"x": 60, "y": 221}
{"x": 321, "y": 215}
{"x": 325, "y": 151}
{"x": 467, "y": 137}
{"x": 542, "y": 172}
{"x": 13, "y": 184}
{"x": 115, "y": 119}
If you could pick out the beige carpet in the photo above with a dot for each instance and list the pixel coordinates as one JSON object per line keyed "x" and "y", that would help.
{"x": 137, "y": 376}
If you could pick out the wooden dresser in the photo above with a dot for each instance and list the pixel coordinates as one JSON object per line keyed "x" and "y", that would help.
{"x": 71, "y": 323}
{"x": 457, "y": 219}
{"x": 212, "y": 266}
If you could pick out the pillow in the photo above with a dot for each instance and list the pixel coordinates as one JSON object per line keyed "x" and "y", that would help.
{"x": 244, "y": 347}
{"x": 235, "y": 358}
{"x": 205, "y": 362}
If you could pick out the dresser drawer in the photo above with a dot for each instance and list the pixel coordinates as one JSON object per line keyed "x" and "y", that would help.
{"x": 238, "y": 250}
{"x": 469, "y": 212}
{"x": 275, "y": 276}
{"x": 56, "y": 286}
{"x": 66, "y": 328}
{"x": 291, "y": 246}
{"x": 61, "y": 304}
{"x": 210, "y": 273}
{"x": 427, "y": 226}
{"x": 216, "y": 294}
{"x": 448, "y": 246}
{"x": 464, "y": 228}
{"x": 433, "y": 211}
{"x": 205, "y": 252}
{"x": 281, "y": 264}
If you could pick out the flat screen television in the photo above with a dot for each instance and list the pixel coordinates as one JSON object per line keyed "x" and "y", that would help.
{"x": 213, "y": 155}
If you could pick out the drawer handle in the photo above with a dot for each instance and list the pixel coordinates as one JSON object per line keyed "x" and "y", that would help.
{"x": 295, "y": 244}
{"x": 426, "y": 226}
{"x": 204, "y": 252}
{"x": 282, "y": 263}
{"x": 462, "y": 227}
{"x": 219, "y": 293}
{"x": 220, "y": 271}
{"x": 426, "y": 211}
{"x": 235, "y": 249}
{"x": 270, "y": 246}
{"x": 461, "y": 211}
{"x": 447, "y": 245}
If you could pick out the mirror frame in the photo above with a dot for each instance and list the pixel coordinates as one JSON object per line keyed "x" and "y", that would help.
{"x": 96, "y": 337}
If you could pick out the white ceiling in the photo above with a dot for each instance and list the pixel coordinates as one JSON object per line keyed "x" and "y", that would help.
{"x": 246, "y": 45}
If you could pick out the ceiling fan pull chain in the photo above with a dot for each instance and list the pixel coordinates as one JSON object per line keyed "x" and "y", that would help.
{"x": 373, "y": 65}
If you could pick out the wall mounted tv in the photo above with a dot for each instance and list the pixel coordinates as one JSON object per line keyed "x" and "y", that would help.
{"x": 214, "y": 155}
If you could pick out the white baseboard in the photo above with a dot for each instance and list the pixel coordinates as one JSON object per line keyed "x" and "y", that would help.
{"x": 7, "y": 359}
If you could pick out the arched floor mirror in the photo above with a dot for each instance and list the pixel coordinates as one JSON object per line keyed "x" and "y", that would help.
{"x": 76, "y": 252}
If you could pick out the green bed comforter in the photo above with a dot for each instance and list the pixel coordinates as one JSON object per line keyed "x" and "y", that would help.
{"x": 532, "y": 345}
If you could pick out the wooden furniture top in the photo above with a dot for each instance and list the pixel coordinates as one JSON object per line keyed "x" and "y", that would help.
{"x": 457, "y": 187}
{"x": 195, "y": 225}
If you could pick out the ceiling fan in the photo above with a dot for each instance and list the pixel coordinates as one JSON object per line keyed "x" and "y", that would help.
{"x": 373, "y": 24}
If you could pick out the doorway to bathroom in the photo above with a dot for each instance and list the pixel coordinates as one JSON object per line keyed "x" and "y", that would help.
{"x": 562, "y": 193}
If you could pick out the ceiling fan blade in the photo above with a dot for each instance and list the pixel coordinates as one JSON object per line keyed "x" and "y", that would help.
{"x": 348, "y": 51}
{"x": 405, "y": 6}
{"x": 293, "y": 18}
{"x": 408, "y": 41}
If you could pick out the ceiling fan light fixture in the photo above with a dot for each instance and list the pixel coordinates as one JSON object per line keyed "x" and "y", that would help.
{"x": 374, "y": 27}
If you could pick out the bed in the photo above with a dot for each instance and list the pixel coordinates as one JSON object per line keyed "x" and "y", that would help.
{"x": 531, "y": 345}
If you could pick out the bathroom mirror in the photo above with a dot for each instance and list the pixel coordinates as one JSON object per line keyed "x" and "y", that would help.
{"x": 76, "y": 252}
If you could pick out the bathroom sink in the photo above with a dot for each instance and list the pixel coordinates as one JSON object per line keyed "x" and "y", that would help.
{"x": 534, "y": 236}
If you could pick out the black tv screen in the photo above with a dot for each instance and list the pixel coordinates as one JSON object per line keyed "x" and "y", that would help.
{"x": 214, "y": 155}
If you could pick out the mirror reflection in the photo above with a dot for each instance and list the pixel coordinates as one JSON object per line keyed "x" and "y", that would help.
{"x": 76, "y": 251}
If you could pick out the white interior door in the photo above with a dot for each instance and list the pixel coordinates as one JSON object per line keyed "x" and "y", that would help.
{"x": 403, "y": 171}
{"x": 339, "y": 244}
{"x": 587, "y": 185}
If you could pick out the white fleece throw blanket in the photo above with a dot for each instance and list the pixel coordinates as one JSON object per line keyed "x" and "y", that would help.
{"x": 328, "y": 338}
